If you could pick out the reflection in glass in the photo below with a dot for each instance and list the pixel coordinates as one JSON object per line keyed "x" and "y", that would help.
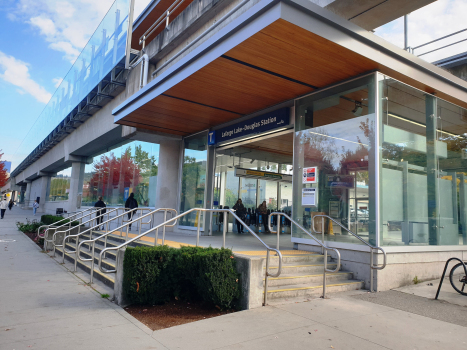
{"x": 193, "y": 178}
{"x": 59, "y": 186}
{"x": 335, "y": 132}
{"x": 131, "y": 168}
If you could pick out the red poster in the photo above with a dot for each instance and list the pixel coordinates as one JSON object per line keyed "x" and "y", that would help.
{"x": 310, "y": 175}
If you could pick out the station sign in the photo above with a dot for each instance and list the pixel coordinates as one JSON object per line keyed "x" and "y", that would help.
{"x": 273, "y": 120}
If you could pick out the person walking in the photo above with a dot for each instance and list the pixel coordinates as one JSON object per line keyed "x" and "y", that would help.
{"x": 3, "y": 206}
{"x": 131, "y": 203}
{"x": 263, "y": 211}
{"x": 240, "y": 211}
{"x": 11, "y": 204}
{"x": 100, "y": 213}
{"x": 35, "y": 205}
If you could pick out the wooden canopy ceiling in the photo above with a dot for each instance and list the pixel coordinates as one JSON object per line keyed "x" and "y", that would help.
{"x": 279, "y": 63}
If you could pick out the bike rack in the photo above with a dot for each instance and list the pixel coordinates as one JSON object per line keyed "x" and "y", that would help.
{"x": 444, "y": 273}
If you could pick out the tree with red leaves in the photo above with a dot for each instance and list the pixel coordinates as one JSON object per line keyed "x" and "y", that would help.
{"x": 3, "y": 173}
{"x": 111, "y": 173}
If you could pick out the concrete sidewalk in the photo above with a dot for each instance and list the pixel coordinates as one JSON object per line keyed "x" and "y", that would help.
{"x": 43, "y": 306}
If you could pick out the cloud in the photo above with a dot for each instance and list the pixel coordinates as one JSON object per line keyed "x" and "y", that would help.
{"x": 57, "y": 81}
{"x": 431, "y": 22}
{"x": 16, "y": 72}
{"x": 66, "y": 24}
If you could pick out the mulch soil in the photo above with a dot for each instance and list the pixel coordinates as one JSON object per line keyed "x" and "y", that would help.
{"x": 33, "y": 236}
{"x": 173, "y": 313}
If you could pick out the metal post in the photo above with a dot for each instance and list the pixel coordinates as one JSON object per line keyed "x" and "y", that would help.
{"x": 199, "y": 228}
{"x": 406, "y": 33}
{"x": 371, "y": 270}
{"x": 224, "y": 229}
{"x": 92, "y": 261}
{"x": 324, "y": 272}
{"x": 278, "y": 230}
{"x": 266, "y": 279}
{"x": 163, "y": 227}
{"x": 129, "y": 34}
{"x": 76, "y": 254}
{"x": 322, "y": 234}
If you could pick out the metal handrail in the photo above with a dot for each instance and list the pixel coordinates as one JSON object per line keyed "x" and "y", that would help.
{"x": 200, "y": 210}
{"x": 101, "y": 215}
{"x": 372, "y": 247}
{"x": 72, "y": 218}
{"x": 75, "y": 213}
{"x": 160, "y": 20}
{"x": 323, "y": 246}
{"x": 90, "y": 237}
{"x": 93, "y": 241}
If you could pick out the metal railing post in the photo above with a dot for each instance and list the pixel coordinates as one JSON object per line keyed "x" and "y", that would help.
{"x": 322, "y": 234}
{"x": 199, "y": 228}
{"x": 92, "y": 261}
{"x": 224, "y": 229}
{"x": 278, "y": 230}
{"x": 163, "y": 227}
{"x": 324, "y": 272}
{"x": 266, "y": 279}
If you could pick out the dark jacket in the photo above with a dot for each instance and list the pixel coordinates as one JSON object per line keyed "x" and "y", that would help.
{"x": 100, "y": 204}
{"x": 239, "y": 210}
{"x": 131, "y": 203}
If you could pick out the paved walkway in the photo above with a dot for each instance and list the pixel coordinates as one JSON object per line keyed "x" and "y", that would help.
{"x": 43, "y": 306}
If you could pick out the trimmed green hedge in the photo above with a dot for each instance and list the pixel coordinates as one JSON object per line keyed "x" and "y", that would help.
{"x": 154, "y": 275}
{"x": 51, "y": 219}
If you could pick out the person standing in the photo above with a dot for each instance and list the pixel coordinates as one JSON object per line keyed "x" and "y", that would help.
{"x": 263, "y": 211}
{"x": 240, "y": 211}
{"x": 10, "y": 205}
{"x": 35, "y": 205}
{"x": 100, "y": 213}
{"x": 3, "y": 206}
{"x": 131, "y": 203}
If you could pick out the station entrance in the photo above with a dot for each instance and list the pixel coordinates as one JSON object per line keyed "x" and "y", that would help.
{"x": 254, "y": 171}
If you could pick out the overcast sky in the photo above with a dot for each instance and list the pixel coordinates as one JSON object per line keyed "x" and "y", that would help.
{"x": 42, "y": 38}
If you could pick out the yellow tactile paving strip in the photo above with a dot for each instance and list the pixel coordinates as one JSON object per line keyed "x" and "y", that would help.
{"x": 283, "y": 252}
{"x": 172, "y": 244}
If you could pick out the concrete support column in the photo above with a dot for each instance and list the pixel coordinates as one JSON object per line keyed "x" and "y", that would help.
{"x": 44, "y": 184}
{"x": 168, "y": 176}
{"x": 76, "y": 186}
{"x": 27, "y": 193}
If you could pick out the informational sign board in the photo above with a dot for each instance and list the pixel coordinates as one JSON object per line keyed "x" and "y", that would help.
{"x": 310, "y": 175}
{"x": 340, "y": 181}
{"x": 309, "y": 196}
{"x": 240, "y": 172}
{"x": 334, "y": 208}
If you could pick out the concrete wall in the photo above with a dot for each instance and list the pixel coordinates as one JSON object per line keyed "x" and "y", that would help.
{"x": 401, "y": 268}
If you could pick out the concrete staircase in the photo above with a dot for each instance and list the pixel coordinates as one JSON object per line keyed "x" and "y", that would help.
{"x": 302, "y": 278}
{"x": 108, "y": 263}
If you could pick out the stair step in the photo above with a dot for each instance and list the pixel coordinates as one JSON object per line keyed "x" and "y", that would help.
{"x": 284, "y": 280}
{"x": 310, "y": 290}
{"x": 298, "y": 260}
{"x": 86, "y": 267}
{"x": 309, "y": 269}
{"x": 110, "y": 265}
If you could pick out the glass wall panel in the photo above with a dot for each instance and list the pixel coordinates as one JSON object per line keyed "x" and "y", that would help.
{"x": 422, "y": 183}
{"x": 131, "y": 168}
{"x": 59, "y": 186}
{"x": 193, "y": 178}
{"x": 104, "y": 50}
{"x": 334, "y": 161}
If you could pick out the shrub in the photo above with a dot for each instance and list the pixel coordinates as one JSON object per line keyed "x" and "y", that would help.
{"x": 52, "y": 219}
{"x": 29, "y": 226}
{"x": 154, "y": 275}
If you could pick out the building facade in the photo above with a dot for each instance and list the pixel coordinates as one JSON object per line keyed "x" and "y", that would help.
{"x": 291, "y": 102}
